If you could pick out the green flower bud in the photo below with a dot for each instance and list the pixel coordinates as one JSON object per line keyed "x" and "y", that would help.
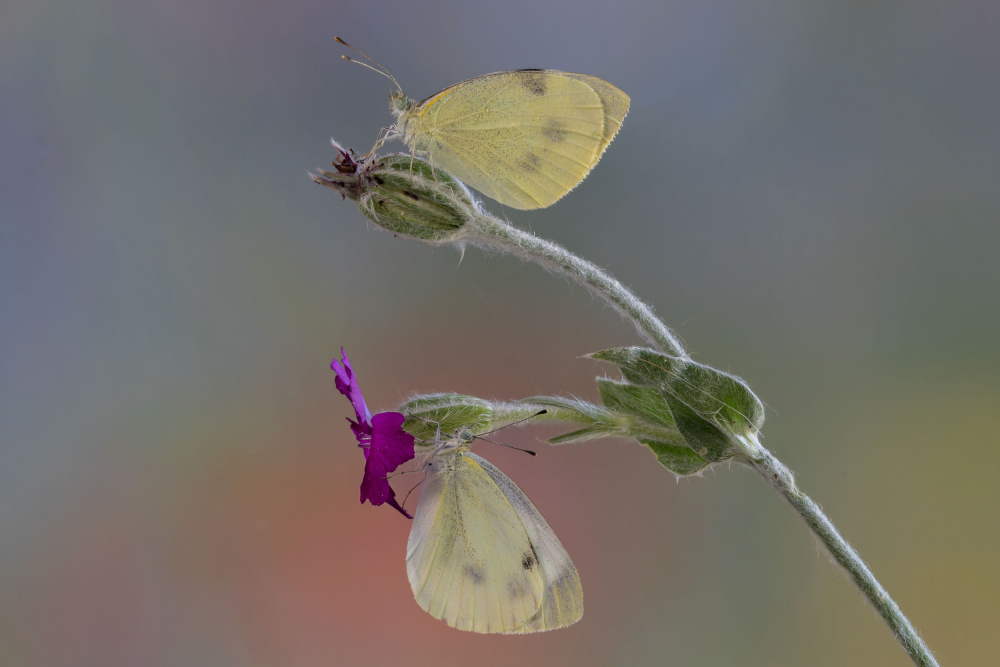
{"x": 404, "y": 195}
{"x": 449, "y": 412}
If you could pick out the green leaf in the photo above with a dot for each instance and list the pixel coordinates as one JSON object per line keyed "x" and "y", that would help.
{"x": 724, "y": 399}
{"x": 678, "y": 459}
{"x": 648, "y": 406}
{"x": 705, "y": 438}
{"x": 641, "y": 365}
{"x": 644, "y": 403}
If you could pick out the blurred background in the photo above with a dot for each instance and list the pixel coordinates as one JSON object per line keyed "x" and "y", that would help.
{"x": 806, "y": 191}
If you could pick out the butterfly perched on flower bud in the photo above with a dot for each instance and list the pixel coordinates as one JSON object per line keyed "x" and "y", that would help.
{"x": 524, "y": 137}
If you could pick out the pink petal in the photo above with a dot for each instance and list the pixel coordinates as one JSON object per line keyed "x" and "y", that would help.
{"x": 347, "y": 384}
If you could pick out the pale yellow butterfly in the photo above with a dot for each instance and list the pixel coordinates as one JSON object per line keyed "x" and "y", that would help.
{"x": 524, "y": 137}
{"x": 480, "y": 556}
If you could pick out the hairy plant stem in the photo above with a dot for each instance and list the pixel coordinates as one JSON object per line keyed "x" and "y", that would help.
{"x": 783, "y": 481}
{"x": 494, "y": 233}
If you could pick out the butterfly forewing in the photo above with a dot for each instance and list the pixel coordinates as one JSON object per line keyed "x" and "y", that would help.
{"x": 524, "y": 138}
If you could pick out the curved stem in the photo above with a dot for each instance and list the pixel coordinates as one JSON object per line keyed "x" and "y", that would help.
{"x": 495, "y": 233}
{"x": 498, "y": 234}
{"x": 781, "y": 478}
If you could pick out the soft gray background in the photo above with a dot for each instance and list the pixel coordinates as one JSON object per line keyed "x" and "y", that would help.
{"x": 806, "y": 191}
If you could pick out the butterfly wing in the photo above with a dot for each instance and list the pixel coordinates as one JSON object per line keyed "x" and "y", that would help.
{"x": 524, "y": 138}
{"x": 466, "y": 549}
{"x": 563, "y": 598}
{"x": 614, "y": 101}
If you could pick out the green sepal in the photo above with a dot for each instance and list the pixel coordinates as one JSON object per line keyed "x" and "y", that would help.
{"x": 451, "y": 412}
{"x": 571, "y": 409}
{"x": 583, "y": 435}
{"x": 601, "y": 423}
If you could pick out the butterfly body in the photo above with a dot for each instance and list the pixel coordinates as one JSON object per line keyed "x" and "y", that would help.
{"x": 481, "y": 557}
{"x": 524, "y": 137}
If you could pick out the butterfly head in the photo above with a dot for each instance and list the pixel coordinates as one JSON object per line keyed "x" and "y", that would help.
{"x": 462, "y": 440}
{"x": 399, "y": 103}
{"x": 465, "y": 437}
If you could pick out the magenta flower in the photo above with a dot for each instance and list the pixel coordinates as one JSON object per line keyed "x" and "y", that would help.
{"x": 385, "y": 444}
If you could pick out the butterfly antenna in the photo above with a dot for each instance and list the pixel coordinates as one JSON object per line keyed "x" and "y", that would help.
{"x": 540, "y": 412}
{"x": 504, "y": 444}
{"x": 401, "y": 472}
{"x": 381, "y": 69}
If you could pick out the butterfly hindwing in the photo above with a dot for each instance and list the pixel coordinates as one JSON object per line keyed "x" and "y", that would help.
{"x": 614, "y": 101}
{"x": 563, "y": 602}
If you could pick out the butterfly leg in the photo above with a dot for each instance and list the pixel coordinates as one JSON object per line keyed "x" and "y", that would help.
{"x": 430, "y": 158}
{"x": 437, "y": 435}
{"x": 383, "y": 136}
{"x": 403, "y": 504}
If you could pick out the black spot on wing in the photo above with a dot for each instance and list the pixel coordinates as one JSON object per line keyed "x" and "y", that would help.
{"x": 474, "y": 572}
{"x": 517, "y": 588}
{"x": 554, "y": 130}
{"x": 531, "y": 163}
{"x": 528, "y": 560}
{"x": 533, "y": 80}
